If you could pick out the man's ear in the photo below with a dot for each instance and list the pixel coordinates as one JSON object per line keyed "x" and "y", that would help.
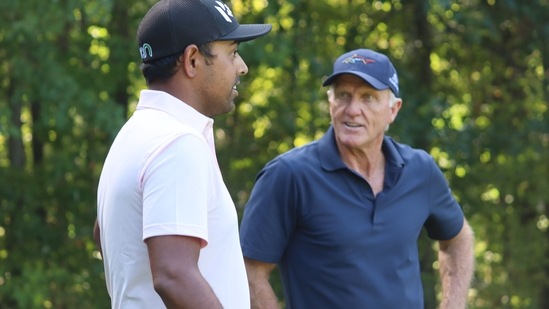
{"x": 395, "y": 109}
{"x": 189, "y": 60}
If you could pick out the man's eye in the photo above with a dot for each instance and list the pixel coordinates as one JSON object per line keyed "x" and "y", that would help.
{"x": 342, "y": 95}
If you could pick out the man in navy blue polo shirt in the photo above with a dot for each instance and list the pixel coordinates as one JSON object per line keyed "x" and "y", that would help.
{"x": 341, "y": 216}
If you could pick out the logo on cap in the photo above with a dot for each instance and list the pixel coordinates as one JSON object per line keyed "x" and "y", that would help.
{"x": 357, "y": 59}
{"x": 224, "y": 10}
{"x": 394, "y": 80}
{"x": 145, "y": 50}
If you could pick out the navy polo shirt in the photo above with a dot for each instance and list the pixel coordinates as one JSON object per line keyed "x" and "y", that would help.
{"x": 338, "y": 246}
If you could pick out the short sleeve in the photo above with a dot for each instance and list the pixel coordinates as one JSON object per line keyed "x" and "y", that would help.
{"x": 269, "y": 216}
{"x": 176, "y": 185}
{"x": 445, "y": 215}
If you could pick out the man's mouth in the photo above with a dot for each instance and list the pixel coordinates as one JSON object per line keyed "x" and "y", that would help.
{"x": 352, "y": 124}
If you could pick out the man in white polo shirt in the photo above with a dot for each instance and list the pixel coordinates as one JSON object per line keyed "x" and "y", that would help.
{"x": 166, "y": 225}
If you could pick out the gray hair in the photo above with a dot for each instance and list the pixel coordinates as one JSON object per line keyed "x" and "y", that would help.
{"x": 393, "y": 99}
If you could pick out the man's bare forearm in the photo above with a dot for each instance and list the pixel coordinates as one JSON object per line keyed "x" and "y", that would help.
{"x": 263, "y": 296}
{"x": 97, "y": 237}
{"x": 456, "y": 259}
{"x": 192, "y": 292}
{"x": 176, "y": 276}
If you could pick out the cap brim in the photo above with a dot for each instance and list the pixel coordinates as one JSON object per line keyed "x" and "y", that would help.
{"x": 374, "y": 82}
{"x": 247, "y": 32}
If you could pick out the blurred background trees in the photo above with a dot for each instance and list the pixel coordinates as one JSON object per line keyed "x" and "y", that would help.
{"x": 474, "y": 79}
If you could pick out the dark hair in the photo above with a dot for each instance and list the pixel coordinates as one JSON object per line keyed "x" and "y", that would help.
{"x": 164, "y": 68}
{"x": 161, "y": 69}
{"x": 206, "y": 50}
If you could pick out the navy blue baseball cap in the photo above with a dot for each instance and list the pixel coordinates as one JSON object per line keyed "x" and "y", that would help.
{"x": 172, "y": 25}
{"x": 374, "y": 68}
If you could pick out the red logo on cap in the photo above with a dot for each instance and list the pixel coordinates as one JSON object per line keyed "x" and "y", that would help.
{"x": 357, "y": 59}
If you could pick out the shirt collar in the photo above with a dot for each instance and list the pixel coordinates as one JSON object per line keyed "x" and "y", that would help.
{"x": 329, "y": 156}
{"x": 395, "y": 162}
{"x": 163, "y": 101}
{"x": 330, "y": 159}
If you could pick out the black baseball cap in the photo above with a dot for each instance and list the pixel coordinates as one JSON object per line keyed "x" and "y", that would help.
{"x": 172, "y": 25}
{"x": 373, "y": 67}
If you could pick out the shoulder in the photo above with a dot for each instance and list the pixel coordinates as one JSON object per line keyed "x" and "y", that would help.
{"x": 406, "y": 153}
{"x": 298, "y": 157}
{"x": 290, "y": 165}
{"x": 183, "y": 151}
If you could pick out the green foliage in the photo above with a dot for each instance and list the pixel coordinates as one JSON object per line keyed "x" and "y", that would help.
{"x": 474, "y": 80}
